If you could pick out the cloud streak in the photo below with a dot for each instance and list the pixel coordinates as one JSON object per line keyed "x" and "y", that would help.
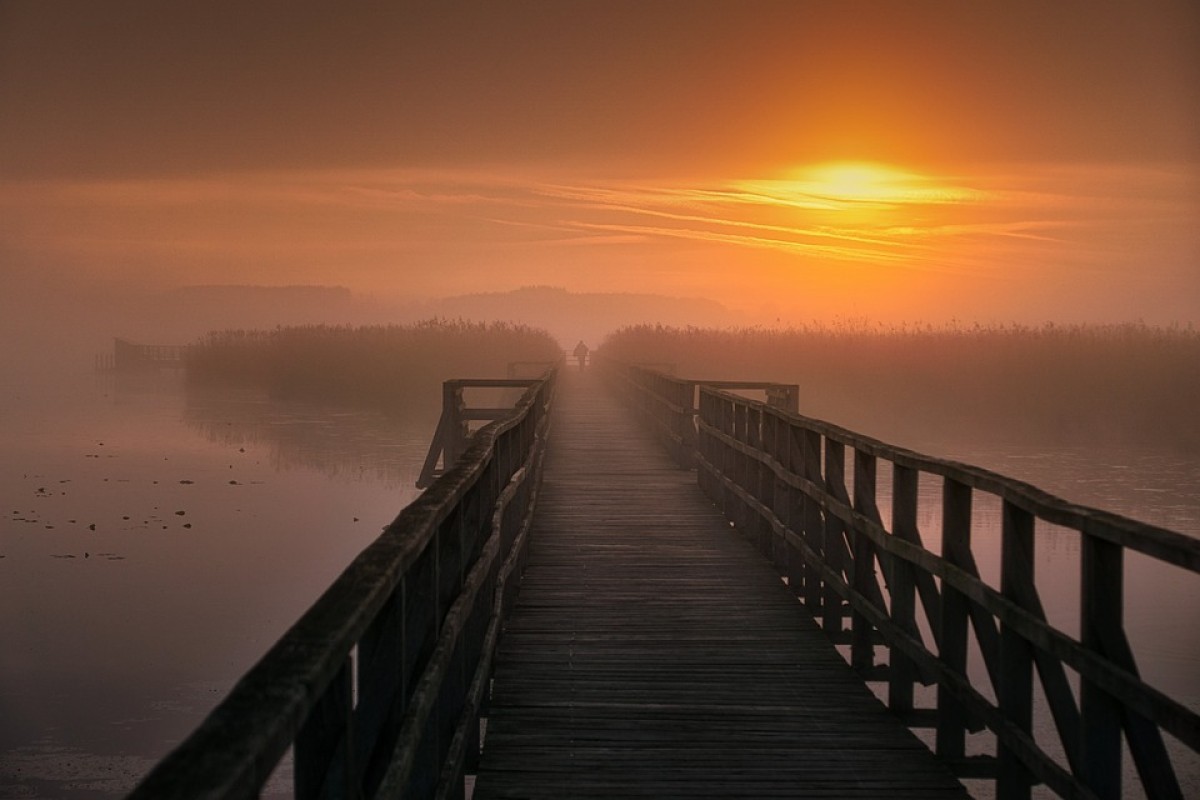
{"x": 434, "y": 229}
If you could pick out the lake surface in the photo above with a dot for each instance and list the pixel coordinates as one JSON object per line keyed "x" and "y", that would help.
{"x": 155, "y": 542}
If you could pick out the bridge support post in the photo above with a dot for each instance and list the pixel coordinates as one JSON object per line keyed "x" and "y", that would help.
{"x": 956, "y": 541}
{"x": 775, "y": 495}
{"x": 686, "y": 430}
{"x": 457, "y": 434}
{"x": 814, "y": 523}
{"x": 792, "y": 452}
{"x": 902, "y": 672}
{"x": 1013, "y": 780}
{"x": 323, "y": 749}
{"x": 783, "y": 396}
{"x": 1100, "y": 714}
{"x": 862, "y": 651}
{"x": 834, "y": 547}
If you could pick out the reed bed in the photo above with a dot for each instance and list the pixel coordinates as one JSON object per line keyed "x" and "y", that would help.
{"x": 1126, "y": 384}
{"x": 394, "y": 368}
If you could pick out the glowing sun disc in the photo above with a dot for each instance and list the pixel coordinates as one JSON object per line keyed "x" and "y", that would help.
{"x": 858, "y": 182}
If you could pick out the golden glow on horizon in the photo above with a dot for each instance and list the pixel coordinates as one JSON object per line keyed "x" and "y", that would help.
{"x": 856, "y": 182}
{"x": 858, "y": 185}
{"x": 883, "y": 241}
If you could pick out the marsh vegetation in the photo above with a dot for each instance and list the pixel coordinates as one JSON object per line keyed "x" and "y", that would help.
{"x": 397, "y": 369}
{"x": 1128, "y": 384}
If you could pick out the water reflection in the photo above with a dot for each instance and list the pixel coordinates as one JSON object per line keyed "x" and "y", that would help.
{"x": 350, "y": 444}
{"x": 153, "y": 544}
{"x": 124, "y": 621}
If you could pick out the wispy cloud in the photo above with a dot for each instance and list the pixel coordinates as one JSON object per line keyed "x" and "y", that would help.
{"x": 1006, "y": 223}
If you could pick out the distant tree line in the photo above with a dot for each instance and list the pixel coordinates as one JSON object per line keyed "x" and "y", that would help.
{"x": 1121, "y": 384}
{"x": 394, "y": 368}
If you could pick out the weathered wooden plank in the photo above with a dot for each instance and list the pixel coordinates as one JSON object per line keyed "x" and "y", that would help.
{"x": 652, "y": 652}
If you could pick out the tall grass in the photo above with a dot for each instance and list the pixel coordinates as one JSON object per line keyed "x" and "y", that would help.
{"x": 1118, "y": 384}
{"x": 394, "y": 368}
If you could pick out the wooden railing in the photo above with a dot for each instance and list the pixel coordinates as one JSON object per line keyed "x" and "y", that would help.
{"x": 781, "y": 479}
{"x": 132, "y": 356}
{"x": 378, "y": 688}
{"x": 453, "y": 433}
{"x": 668, "y": 404}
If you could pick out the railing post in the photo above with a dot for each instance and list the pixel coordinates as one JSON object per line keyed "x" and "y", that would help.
{"x": 956, "y": 542}
{"x": 419, "y": 590}
{"x": 862, "y": 562}
{"x": 790, "y": 399}
{"x": 902, "y": 674}
{"x": 755, "y": 478}
{"x": 739, "y": 466}
{"x": 726, "y": 461}
{"x": 380, "y": 690}
{"x": 791, "y": 448}
{"x": 1013, "y": 781}
{"x": 1101, "y": 609}
{"x": 457, "y": 433}
{"x": 705, "y": 444}
{"x": 323, "y": 751}
{"x": 835, "y": 538}
{"x": 687, "y": 423}
{"x": 773, "y": 490}
{"x": 787, "y": 503}
{"x": 814, "y": 522}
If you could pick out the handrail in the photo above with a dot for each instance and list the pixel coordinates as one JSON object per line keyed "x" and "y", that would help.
{"x": 129, "y": 355}
{"x": 667, "y": 404}
{"x": 780, "y": 478}
{"x": 379, "y": 685}
{"x": 453, "y": 432}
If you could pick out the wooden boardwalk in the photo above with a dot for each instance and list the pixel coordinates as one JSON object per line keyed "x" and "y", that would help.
{"x": 653, "y": 653}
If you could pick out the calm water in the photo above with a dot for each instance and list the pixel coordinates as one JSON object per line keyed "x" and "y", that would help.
{"x": 153, "y": 544}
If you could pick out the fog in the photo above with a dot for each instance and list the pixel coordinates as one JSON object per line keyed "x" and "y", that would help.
{"x": 830, "y": 194}
{"x": 51, "y": 323}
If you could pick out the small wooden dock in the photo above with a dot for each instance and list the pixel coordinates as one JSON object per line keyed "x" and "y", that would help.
{"x": 653, "y": 652}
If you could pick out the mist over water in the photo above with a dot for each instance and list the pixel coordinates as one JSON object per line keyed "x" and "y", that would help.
{"x": 153, "y": 544}
{"x": 119, "y": 639}
{"x": 172, "y": 171}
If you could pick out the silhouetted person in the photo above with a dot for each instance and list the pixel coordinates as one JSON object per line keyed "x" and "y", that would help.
{"x": 581, "y": 353}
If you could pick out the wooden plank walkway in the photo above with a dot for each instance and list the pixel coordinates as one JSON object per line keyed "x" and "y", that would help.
{"x": 653, "y": 653}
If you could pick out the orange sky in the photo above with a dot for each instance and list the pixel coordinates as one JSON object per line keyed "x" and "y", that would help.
{"x": 1020, "y": 161}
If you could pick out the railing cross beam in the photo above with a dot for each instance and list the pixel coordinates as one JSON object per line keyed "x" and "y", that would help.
{"x": 780, "y": 478}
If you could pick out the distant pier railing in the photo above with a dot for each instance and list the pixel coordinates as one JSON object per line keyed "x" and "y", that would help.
{"x": 454, "y": 429}
{"x": 668, "y": 404}
{"x": 781, "y": 479}
{"x": 378, "y": 687}
{"x": 130, "y": 356}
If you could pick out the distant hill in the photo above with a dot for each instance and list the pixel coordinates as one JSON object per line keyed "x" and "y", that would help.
{"x": 570, "y": 316}
{"x": 195, "y": 310}
{"x": 228, "y": 305}
{"x": 182, "y": 314}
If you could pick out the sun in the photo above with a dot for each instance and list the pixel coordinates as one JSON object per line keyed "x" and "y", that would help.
{"x": 862, "y": 186}
{"x": 858, "y": 182}
{"x": 863, "y": 182}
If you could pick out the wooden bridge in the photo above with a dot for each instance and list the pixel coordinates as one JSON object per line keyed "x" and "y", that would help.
{"x": 624, "y": 626}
